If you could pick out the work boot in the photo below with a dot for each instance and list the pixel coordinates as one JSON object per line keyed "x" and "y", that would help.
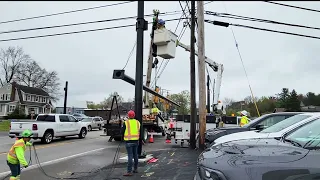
{"x": 128, "y": 174}
{"x": 135, "y": 171}
{"x": 12, "y": 178}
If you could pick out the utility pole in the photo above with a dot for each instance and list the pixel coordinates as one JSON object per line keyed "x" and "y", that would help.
{"x": 214, "y": 85}
{"x": 65, "y": 98}
{"x": 193, "y": 108}
{"x": 201, "y": 74}
{"x": 141, "y": 26}
{"x": 208, "y": 93}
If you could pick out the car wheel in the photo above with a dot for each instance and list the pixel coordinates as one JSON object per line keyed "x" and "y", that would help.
{"x": 118, "y": 138}
{"x": 100, "y": 127}
{"x": 47, "y": 137}
{"x": 83, "y": 133}
{"x": 89, "y": 128}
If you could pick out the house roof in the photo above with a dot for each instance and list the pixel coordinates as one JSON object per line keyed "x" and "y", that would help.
{"x": 32, "y": 90}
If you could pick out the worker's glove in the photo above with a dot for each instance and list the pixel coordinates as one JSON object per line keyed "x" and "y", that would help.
{"x": 29, "y": 143}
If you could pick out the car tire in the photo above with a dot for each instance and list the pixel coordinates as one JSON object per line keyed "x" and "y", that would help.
{"x": 47, "y": 137}
{"x": 118, "y": 138}
{"x": 89, "y": 128}
{"x": 83, "y": 133}
{"x": 163, "y": 133}
{"x": 100, "y": 127}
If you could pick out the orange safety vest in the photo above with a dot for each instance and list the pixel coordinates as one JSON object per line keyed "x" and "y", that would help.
{"x": 132, "y": 131}
{"x": 12, "y": 154}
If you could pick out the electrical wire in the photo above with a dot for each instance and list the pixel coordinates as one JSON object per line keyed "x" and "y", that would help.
{"x": 297, "y": 7}
{"x": 74, "y": 32}
{"x": 134, "y": 46}
{"x": 232, "y": 16}
{"x": 66, "y": 12}
{"x": 82, "y": 23}
{"x": 184, "y": 13}
{"x": 262, "y": 29}
{"x": 244, "y": 68}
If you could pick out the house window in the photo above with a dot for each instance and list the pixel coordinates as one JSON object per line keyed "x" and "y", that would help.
{"x": 44, "y": 100}
{"x": 28, "y": 98}
{"x": 12, "y": 108}
{"x": 1, "y": 97}
{"x": 7, "y": 97}
{"x": 36, "y": 99}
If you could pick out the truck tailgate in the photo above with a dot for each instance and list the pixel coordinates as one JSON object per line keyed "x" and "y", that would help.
{"x": 20, "y": 126}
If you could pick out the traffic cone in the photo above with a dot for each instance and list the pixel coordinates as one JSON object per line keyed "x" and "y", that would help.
{"x": 168, "y": 141}
{"x": 151, "y": 138}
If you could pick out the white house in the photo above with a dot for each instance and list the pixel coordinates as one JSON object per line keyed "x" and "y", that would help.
{"x": 28, "y": 98}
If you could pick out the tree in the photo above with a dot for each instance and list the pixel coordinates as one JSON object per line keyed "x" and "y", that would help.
{"x": 11, "y": 60}
{"x": 32, "y": 75}
{"x": 293, "y": 103}
{"x": 228, "y": 101}
{"x": 183, "y": 99}
{"x": 283, "y": 98}
{"x": 106, "y": 103}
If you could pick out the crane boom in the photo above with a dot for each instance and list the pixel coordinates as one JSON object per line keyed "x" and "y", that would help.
{"x": 215, "y": 67}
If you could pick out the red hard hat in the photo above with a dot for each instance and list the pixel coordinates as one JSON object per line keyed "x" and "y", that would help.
{"x": 131, "y": 114}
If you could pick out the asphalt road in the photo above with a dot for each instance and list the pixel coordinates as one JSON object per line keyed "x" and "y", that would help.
{"x": 61, "y": 158}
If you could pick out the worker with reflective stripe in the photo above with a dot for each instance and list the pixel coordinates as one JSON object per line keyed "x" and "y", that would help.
{"x": 155, "y": 110}
{"x": 15, "y": 155}
{"x": 131, "y": 133}
{"x": 244, "y": 119}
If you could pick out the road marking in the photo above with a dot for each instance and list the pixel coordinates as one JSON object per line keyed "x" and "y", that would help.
{"x": 54, "y": 161}
{"x": 56, "y": 144}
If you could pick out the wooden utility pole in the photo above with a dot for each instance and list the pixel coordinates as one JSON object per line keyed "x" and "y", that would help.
{"x": 193, "y": 113}
{"x": 201, "y": 74}
{"x": 65, "y": 98}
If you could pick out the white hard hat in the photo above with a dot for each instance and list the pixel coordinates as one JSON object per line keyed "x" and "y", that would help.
{"x": 244, "y": 112}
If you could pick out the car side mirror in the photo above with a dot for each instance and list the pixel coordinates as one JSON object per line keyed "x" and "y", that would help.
{"x": 259, "y": 127}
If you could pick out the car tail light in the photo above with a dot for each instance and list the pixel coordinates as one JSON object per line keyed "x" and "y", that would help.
{"x": 34, "y": 127}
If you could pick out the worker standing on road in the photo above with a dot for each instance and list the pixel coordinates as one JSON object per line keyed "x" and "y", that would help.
{"x": 131, "y": 134}
{"x": 244, "y": 119}
{"x": 15, "y": 155}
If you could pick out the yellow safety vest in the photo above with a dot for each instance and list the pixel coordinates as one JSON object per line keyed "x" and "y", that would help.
{"x": 12, "y": 156}
{"x": 155, "y": 110}
{"x": 132, "y": 130}
{"x": 243, "y": 121}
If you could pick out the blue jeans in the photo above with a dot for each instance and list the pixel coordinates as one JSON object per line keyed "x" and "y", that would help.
{"x": 132, "y": 150}
{"x": 15, "y": 169}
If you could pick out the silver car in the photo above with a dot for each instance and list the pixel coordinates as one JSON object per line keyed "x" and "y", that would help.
{"x": 93, "y": 123}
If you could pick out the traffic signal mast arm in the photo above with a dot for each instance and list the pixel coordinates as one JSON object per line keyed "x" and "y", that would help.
{"x": 215, "y": 67}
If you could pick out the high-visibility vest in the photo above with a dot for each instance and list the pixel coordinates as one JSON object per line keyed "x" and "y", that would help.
{"x": 12, "y": 157}
{"x": 132, "y": 130}
{"x": 155, "y": 110}
{"x": 243, "y": 121}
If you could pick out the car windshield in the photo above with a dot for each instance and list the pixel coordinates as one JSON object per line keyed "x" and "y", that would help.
{"x": 308, "y": 136}
{"x": 86, "y": 120}
{"x": 254, "y": 121}
{"x": 285, "y": 123}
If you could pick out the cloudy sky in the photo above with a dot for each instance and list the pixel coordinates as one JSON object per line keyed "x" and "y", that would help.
{"x": 87, "y": 60}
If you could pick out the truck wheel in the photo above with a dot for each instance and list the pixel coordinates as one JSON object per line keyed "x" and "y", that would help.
{"x": 89, "y": 128}
{"x": 100, "y": 128}
{"x": 163, "y": 133}
{"x": 145, "y": 134}
{"x": 47, "y": 137}
{"x": 117, "y": 138}
{"x": 83, "y": 133}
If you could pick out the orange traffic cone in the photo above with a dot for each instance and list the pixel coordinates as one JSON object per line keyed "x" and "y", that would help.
{"x": 168, "y": 141}
{"x": 151, "y": 138}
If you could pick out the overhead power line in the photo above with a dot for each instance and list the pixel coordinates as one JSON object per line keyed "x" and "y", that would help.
{"x": 65, "y": 12}
{"x": 74, "y": 32}
{"x": 233, "y": 16}
{"x": 224, "y": 24}
{"x": 83, "y": 23}
{"x": 296, "y": 7}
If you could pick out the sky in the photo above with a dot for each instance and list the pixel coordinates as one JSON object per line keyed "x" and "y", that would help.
{"x": 87, "y": 60}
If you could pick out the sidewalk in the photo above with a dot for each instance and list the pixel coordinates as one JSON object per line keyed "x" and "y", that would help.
{"x": 174, "y": 163}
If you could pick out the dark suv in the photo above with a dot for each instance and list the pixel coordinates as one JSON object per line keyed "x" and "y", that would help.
{"x": 259, "y": 124}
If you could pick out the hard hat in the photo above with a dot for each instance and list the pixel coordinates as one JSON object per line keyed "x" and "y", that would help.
{"x": 244, "y": 112}
{"x": 131, "y": 114}
{"x": 26, "y": 133}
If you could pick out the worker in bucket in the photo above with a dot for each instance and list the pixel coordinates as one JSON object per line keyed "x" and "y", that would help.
{"x": 131, "y": 134}
{"x": 244, "y": 119}
{"x": 15, "y": 155}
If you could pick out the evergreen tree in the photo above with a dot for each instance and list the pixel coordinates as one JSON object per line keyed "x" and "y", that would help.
{"x": 293, "y": 102}
{"x": 283, "y": 98}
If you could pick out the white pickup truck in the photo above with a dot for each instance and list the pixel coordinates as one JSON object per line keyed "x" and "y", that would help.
{"x": 48, "y": 126}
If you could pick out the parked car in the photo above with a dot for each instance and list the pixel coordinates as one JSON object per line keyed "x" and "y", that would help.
{"x": 92, "y": 123}
{"x": 260, "y": 123}
{"x": 277, "y": 130}
{"x": 79, "y": 116}
{"x": 294, "y": 156}
{"x": 48, "y": 126}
